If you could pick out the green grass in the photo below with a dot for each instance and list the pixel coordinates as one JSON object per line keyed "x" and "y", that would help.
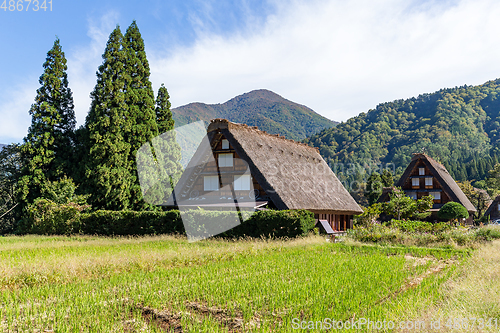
{"x": 92, "y": 284}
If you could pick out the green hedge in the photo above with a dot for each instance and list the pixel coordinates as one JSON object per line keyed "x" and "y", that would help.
{"x": 270, "y": 223}
{"x": 419, "y": 226}
{"x": 110, "y": 223}
{"x": 273, "y": 223}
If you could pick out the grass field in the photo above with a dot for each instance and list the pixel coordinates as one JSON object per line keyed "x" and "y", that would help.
{"x": 158, "y": 284}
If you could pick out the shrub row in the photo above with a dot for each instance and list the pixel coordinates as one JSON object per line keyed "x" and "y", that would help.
{"x": 51, "y": 219}
{"x": 272, "y": 223}
{"x": 111, "y": 223}
{"x": 423, "y": 236}
{"x": 419, "y": 226}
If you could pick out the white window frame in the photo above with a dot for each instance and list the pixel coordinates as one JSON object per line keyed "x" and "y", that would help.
{"x": 428, "y": 181}
{"x": 415, "y": 182}
{"x": 436, "y": 195}
{"x": 421, "y": 171}
{"x": 225, "y": 144}
{"x": 225, "y": 160}
{"x": 242, "y": 183}
{"x": 211, "y": 183}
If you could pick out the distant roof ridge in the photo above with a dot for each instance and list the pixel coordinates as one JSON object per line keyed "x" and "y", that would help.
{"x": 223, "y": 120}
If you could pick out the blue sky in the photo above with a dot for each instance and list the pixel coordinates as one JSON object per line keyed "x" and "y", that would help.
{"x": 338, "y": 57}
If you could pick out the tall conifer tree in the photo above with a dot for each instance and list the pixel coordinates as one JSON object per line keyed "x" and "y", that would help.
{"x": 164, "y": 117}
{"x": 47, "y": 148}
{"x": 139, "y": 96}
{"x": 107, "y": 176}
{"x": 170, "y": 149}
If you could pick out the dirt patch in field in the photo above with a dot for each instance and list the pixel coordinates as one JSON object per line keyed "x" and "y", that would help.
{"x": 232, "y": 320}
{"x": 164, "y": 319}
{"x": 170, "y": 321}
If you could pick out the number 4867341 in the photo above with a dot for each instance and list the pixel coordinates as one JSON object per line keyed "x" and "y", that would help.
{"x": 25, "y": 5}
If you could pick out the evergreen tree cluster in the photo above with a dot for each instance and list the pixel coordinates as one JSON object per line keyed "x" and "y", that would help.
{"x": 100, "y": 156}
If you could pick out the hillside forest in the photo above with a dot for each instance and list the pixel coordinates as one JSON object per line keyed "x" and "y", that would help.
{"x": 459, "y": 127}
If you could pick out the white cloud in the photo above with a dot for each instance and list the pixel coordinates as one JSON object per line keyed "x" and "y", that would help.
{"x": 14, "y": 111}
{"x": 82, "y": 64}
{"x": 341, "y": 57}
{"x": 337, "y": 57}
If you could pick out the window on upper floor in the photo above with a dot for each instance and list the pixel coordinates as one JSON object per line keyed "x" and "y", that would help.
{"x": 415, "y": 182}
{"x": 225, "y": 144}
{"x": 225, "y": 160}
{"x": 428, "y": 181}
{"x": 421, "y": 171}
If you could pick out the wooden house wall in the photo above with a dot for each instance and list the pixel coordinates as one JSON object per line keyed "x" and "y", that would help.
{"x": 338, "y": 222}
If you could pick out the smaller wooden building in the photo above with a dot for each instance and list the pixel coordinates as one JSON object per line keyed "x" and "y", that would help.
{"x": 425, "y": 176}
{"x": 493, "y": 210}
{"x": 251, "y": 168}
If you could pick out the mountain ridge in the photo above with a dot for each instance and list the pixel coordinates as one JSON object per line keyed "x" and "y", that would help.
{"x": 262, "y": 108}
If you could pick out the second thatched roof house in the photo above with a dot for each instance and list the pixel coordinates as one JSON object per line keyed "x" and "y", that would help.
{"x": 251, "y": 168}
{"x": 425, "y": 176}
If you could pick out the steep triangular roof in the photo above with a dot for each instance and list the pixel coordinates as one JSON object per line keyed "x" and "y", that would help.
{"x": 442, "y": 176}
{"x": 293, "y": 174}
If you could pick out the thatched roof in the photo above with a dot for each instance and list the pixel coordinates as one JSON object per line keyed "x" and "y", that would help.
{"x": 293, "y": 174}
{"x": 442, "y": 176}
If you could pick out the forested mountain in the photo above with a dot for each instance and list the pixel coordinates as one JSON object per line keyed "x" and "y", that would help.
{"x": 460, "y": 127}
{"x": 263, "y": 108}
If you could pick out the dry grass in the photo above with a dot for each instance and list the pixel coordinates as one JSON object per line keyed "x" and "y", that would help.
{"x": 36, "y": 260}
{"x": 473, "y": 293}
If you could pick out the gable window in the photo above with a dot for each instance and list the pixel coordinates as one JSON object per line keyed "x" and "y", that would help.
{"x": 415, "y": 182}
{"x": 242, "y": 183}
{"x": 421, "y": 171}
{"x": 225, "y": 144}
{"x": 211, "y": 183}
{"x": 225, "y": 160}
{"x": 428, "y": 182}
